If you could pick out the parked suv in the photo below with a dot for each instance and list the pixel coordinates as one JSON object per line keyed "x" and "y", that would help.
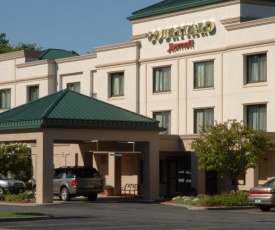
{"x": 10, "y": 185}
{"x": 69, "y": 182}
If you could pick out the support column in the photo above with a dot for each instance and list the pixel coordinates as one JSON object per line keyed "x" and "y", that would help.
{"x": 114, "y": 169}
{"x": 44, "y": 170}
{"x": 151, "y": 170}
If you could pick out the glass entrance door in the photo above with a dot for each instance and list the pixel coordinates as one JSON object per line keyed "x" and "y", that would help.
{"x": 178, "y": 175}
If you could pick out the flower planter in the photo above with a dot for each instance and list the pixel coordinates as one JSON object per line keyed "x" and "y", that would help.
{"x": 108, "y": 192}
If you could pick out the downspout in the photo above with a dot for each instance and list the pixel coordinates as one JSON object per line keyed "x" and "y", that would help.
{"x": 15, "y": 80}
{"x": 222, "y": 90}
{"x": 186, "y": 113}
{"x": 138, "y": 78}
{"x": 178, "y": 96}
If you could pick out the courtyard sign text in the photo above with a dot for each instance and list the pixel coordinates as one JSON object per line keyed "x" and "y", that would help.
{"x": 181, "y": 31}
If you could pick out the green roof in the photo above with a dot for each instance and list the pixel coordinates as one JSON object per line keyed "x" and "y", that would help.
{"x": 168, "y": 6}
{"x": 68, "y": 109}
{"x": 52, "y": 54}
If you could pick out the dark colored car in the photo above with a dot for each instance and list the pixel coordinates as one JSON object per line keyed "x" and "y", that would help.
{"x": 8, "y": 185}
{"x": 263, "y": 196}
{"x": 69, "y": 182}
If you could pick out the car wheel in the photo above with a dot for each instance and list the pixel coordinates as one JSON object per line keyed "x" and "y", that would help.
{"x": 2, "y": 191}
{"x": 64, "y": 194}
{"x": 92, "y": 197}
{"x": 34, "y": 192}
{"x": 265, "y": 208}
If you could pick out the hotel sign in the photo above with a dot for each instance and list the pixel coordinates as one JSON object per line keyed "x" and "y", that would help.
{"x": 173, "y": 47}
{"x": 180, "y": 32}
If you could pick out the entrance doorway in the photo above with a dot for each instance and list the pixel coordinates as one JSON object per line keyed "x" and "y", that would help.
{"x": 211, "y": 182}
{"x": 178, "y": 175}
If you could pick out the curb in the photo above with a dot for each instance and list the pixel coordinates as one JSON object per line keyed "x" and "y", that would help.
{"x": 28, "y": 204}
{"x": 11, "y": 219}
{"x": 209, "y": 208}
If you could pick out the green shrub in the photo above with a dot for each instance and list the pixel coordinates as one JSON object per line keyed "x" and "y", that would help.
{"x": 225, "y": 199}
{"x": 29, "y": 185}
{"x": 108, "y": 187}
{"x": 24, "y": 196}
{"x": 187, "y": 200}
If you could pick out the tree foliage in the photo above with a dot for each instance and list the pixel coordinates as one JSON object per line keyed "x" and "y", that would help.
{"x": 230, "y": 148}
{"x": 16, "y": 159}
{"x": 5, "y": 47}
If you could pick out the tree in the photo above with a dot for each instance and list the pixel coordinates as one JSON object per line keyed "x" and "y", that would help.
{"x": 5, "y": 47}
{"x": 230, "y": 148}
{"x": 16, "y": 159}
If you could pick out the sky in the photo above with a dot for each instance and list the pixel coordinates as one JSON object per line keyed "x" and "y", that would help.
{"x": 79, "y": 25}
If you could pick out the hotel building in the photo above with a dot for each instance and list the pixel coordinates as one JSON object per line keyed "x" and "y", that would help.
{"x": 188, "y": 63}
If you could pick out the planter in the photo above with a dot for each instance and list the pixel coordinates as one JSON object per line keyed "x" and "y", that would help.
{"x": 108, "y": 192}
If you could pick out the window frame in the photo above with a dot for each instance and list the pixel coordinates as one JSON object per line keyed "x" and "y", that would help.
{"x": 167, "y": 122}
{"x": 30, "y": 92}
{"x": 121, "y": 85}
{"x": 75, "y": 85}
{"x": 260, "y": 118}
{"x": 197, "y": 129}
{"x": 7, "y": 100}
{"x": 164, "y": 88}
{"x": 205, "y": 77}
{"x": 259, "y": 79}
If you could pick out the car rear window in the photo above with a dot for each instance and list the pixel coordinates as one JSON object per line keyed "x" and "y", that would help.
{"x": 270, "y": 183}
{"x": 82, "y": 173}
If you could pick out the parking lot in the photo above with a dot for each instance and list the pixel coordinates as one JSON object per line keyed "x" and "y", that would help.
{"x": 116, "y": 213}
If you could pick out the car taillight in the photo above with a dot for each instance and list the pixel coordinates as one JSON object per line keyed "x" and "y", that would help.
{"x": 261, "y": 192}
{"x": 74, "y": 182}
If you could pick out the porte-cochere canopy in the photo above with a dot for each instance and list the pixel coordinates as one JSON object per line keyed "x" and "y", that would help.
{"x": 70, "y": 117}
{"x": 68, "y": 109}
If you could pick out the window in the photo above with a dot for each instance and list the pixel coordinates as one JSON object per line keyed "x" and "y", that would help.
{"x": 164, "y": 119}
{"x": 162, "y": 79}
{"x": 256, "y": 68}
{"x": 204, "y": 74}
{"x": 33, "y": 93}
{"x": 58, "y": 174}
{"x": 117, "y": 84}
{"x": 256, "y": 117}
{"x": 74, "y": 86}
{"x": 5, "y": 99}
{"x": 203, "y": 117}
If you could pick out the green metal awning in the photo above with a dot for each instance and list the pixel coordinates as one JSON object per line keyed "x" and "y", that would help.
{"x": 69, "y": 109}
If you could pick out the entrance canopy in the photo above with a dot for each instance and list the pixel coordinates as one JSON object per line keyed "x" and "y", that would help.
{"x": 68, "y": 109}
{"x": 70, "y": 117}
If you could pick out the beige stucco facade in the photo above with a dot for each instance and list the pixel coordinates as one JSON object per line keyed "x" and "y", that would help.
{"x": 235, "y": 37}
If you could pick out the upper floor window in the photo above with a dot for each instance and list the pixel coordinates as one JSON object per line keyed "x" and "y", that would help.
{"x": 256, "y": 68}
{"x": 202, "y": 118}
{"x": 164, "y": 119}
{"x": 256, "y": 117}
{"x": 33, "y": 93}
{"x": 5, "y": 99}
{"x": 74, "y": 86}
{"x": 117, "y": 84}
{"x": 162, "y": 79}
{"x": 204, "y": 74}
